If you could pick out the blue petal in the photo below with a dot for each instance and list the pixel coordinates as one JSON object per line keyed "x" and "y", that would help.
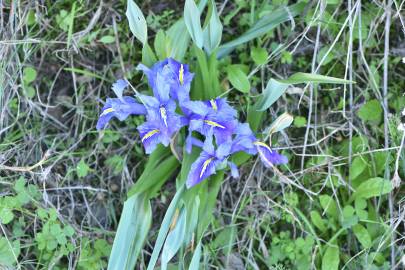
{"x": 161, "y": 89}
{"x": 131, "y": 106}
{"x": 270, "y": 157}
{"x": 234, "y": 169}
{"x": 221, "y": 108}
{"x": 196, "y": 107}
{"x": 223, "y": 150}
{"x": 119, "y": 86}
{"x": 191, "y": 141}
{"x": 180, "y": 80}
{"x": 103, "y": 120}
{"x": 201, "y": 169}
{"x": 225, "y": 134}
{"x": 119, "y": 108}
{"x": 151, "y": 72}
{"x": 149, "y": 102}
{"x": 150, "y": 136}
{"x": 209, "y": 146}
{"x": 244, "y": 140}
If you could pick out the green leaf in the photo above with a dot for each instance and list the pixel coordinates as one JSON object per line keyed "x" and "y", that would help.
{"x": 153, "y": 178}
{"x": 116, "y": 163}
{"x": 273, "y": 91}
{"x": 82, "y": 169}
{"x": 262, "y": 27}
{"x": 192, "y": 217}
{"x": 178, "y": 33}
{"x": 371, "y": 112}
{"x": 9, "y": 252}
{"x": 224, "y": 240}
{"x": 373, "y": 187}
{"x": 137, "y": 22}
{"x": 29, "y": 91}
{"x": 259, "y": 55}
{"x": 362, "y": 235}
{"x": 195, "y": 261}
{"x": 329, "y": 205}
{"x": 317, "y": 220}
{"x": 213, "y": 32}
{"x": 301, "y": 77}
{"x": 29, "y": 75}
{"x": 107, "y": 39}
{"x": 360, "y": 206}
{"x": 161, "y": 45}
{"x": 68, "y": 231}
{"x": 148, "y": 56}
{"x": 19, "y": 185}
{"x": 164, "y": 229}
{"x": 349, "y": 218}
{"x": 174, "y": 240}
{"x": 357, "y": 167}
{"x": 6, "y": 215}
{"x": 55, "y": 229}
{"x": 192, "y": 21}
{"x": 133, "y": 228}
{"x": 300, "y": 121}
{"x": 238, "y": 78}
{"x": 330, "y": 260}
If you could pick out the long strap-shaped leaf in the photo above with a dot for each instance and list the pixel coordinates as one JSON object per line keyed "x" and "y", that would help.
{"x": 136, "y": 216}
{"x": 132, "y": 230}
{"x": 164, "y": 229}
{"x": 262, "y": 26}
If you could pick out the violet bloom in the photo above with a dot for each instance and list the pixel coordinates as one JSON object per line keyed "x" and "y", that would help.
{"x": 214, "y": 115}
{"x": 120, "y": 107}
{"x": 160, "y": 107}
{"x": 162, "y": 120}
{"x": 208, "y": 162}
{"x": 247, "y": 142}
{"x": 153, "y": 132}
{"x": 119, "y": 86}
{"x": 177, "y": 77}
{"x": 180, "y": 80}
{"x": 268, "y": 156}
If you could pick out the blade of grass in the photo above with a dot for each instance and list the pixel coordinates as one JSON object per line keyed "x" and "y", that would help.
{"x": 71, "y": 24}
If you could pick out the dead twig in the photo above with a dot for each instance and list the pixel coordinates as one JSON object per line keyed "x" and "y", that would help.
{"x": 27, "y": 168}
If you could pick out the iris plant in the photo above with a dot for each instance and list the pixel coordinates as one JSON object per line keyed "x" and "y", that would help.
{"x": 214, "y": 120}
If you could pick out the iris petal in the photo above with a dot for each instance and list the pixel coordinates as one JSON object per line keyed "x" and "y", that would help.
{"x": 120, "y": 108}
{"x": 268, "y": 156}
{"x": 119, "y": 86}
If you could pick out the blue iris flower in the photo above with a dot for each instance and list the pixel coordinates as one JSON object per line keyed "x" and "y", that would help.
{"x": 215, "y": 119}
{"x": 247, "y": 142}
{"x": 215, "y": 115}
{"x": 177, "y": 77}
{"x": 120, "y": 107}
{"x": 244, "y": 140}
{"x": 209, "y": 161}
{"x": 162, "y": 120}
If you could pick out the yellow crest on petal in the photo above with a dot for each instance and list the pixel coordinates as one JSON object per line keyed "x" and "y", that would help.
{"x": 163, "y": 114}
{"x": 107, "y": 111}
{"x": 214, "y": 104}
{"x": 214, "y": 124}
{"x": 181, "y": 74}
{"x": 262, "y": 144}
{"x": 205, "y": 165}
{"x": 149, "y": 134}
